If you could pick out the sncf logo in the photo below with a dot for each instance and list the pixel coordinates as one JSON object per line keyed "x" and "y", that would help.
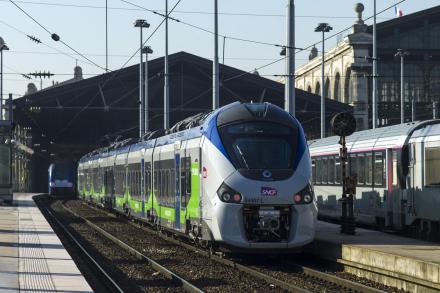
{"x": 268, "y": 191}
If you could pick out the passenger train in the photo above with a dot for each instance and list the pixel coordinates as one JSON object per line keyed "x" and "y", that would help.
{"x": 237, "y": 178}
{"x": 62, "y": 178}
{"x": 398, "y": 177}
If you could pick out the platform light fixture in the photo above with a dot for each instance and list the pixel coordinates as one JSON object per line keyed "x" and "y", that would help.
{"x": 324, "y": 28}
{"x": 3, "y": 47}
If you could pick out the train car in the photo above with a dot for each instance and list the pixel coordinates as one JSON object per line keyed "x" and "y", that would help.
{"x": 6, "y": 194}
{"x": 398, "y": 183}
{"x": 62, "y": 178}
{"x": 238, "y": 179}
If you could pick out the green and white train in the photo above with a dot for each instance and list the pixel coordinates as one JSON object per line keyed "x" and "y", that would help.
{"x": 239, "y": 178}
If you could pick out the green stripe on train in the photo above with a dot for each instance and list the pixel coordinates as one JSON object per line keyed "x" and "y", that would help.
{"x": 192, "y": 210}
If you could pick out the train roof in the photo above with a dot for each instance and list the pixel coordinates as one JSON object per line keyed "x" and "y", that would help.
{"x": 394, "y": 136}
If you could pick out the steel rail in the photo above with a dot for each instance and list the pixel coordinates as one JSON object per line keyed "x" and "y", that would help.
{"x": 112, "y": 285}
{"x": 282, "y": 284}
{"x": 154, "y": 265}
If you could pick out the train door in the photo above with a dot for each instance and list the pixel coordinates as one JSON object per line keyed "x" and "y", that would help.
{"x": 192, "y": 197}
{"x": 109, "y": 186}
{"x": 182, "y": 184}
{"x": 176, "y": 177}
{"x": 150, "y": 202}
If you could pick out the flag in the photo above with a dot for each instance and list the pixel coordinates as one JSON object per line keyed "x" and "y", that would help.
{"x": 398, "y": 11}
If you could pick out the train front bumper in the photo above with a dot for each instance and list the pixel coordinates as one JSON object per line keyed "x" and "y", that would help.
{"x": 227, "y": 227}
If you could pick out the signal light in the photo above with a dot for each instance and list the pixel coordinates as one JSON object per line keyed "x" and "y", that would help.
{"x": 297, "y": 198}
{"x": 305, "y": 196}
{"x": 237, "y": 197}
{"x": 228, "y": 195}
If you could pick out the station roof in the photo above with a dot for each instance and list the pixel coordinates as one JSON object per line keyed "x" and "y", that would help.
{"x": 96, "y": 111}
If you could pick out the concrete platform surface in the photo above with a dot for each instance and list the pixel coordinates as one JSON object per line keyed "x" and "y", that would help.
{"x": 32, "y": 258}
{"x": 406, "y": 263}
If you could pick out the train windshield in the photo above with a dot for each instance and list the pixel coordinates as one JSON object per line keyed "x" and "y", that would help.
{"x": 260, "y": 145}
{"x": 61, "y": 172}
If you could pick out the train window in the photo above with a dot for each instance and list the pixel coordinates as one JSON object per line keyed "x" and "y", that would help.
{"x": 378, "y": 169}
{"x": 432, "y": 166}
{"x": 314, "y": 170}
{"x": 331, "y": 170}
{"x": 395, "y": 175}
{"x": 324, "y": 171}
{"x": 318, "y": 172}
{"x": 338, "y": 171}
{"x": 260, "y": 145}
{"x": 361, "y": 169}
{"x": 353, "y": 165}
{"x": 369, "y": 169}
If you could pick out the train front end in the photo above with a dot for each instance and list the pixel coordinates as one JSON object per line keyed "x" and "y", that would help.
{"x": 256, "y": 171}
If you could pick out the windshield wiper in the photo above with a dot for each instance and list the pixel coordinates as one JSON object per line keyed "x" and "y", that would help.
{"x": 242, "y": 156}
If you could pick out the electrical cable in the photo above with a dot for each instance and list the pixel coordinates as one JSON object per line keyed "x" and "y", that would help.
{"x": 55, "y": 36}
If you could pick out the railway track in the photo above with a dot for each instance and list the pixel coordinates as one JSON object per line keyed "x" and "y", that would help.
{"x": 289, "y": 277}
{"x": 108, "y": 282}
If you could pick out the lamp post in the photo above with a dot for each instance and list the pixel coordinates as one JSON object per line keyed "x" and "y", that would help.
{"x": 402, "y": 54}
{"x": 146, "y": 50}
{"x": 289, "y": 104}
{"x": 324, "y": 28}
{"x": 3, "y": 47}
{"x": 166, "y": 92}
{"x": 215, "y": 68}
{"x": 141, "y": 23}
{"x": 374, "y": 98}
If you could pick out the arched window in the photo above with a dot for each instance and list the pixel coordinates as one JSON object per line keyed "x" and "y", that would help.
{"x": 327, "y": 88}
{"x": 337, "y": 87}
{"x": 347, "y": 86}
{"x": 318, "y": 88}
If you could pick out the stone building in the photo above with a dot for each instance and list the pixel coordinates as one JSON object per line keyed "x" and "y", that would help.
{"x": 348, "y": 68}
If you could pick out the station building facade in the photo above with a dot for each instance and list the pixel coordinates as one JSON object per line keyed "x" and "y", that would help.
{"x": 348, "y": 68}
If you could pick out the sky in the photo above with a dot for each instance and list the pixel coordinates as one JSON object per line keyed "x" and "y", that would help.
{"x": 81, "y": 25}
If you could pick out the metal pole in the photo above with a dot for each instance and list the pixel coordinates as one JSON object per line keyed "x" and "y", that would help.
{"x": 1, "y": 84}
{"x": 215, "y": 69}
{"x": 402, "y": 88}
{"x": 166, "y": 106}
{"x": 11, "y": 109}
{"x": 434, "y": 110}
{"x": 106, "y": 35}
{"x": 141, "y": 88}
{"x": 374, "y": 100}
{"x": 413, "y": 109}
{"x": 322, "y": 90}
{"x": 146, "y": 104}
{"x": 290, "y": 59}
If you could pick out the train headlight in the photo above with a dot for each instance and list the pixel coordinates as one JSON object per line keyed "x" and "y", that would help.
{"x": 305, "y": 196}
{"x": 227, "y": 194}
{"x": 308, "y": 198}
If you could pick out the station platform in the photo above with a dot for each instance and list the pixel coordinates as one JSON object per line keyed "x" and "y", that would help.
{"x": 32, "y": 258}
{"x": 409, "y": 264}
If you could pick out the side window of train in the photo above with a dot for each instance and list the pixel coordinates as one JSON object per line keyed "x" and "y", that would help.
{"x": 314, "y": 170}
{"x": 432, "y": 166}
{"x": 395, "y": 170}
{"x": 318, "y": 171}
{"x": 369, "y": 169}
{"x": 331, "y": 170}
{"x": 378, "y": 169}
{"x": 338, "y": 170}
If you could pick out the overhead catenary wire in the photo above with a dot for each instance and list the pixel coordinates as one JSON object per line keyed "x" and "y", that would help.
{"x": 53, "y": 35}
{"x": 206, "y": 30}
{"x": 226, "y": 13}
{"x": 114, "y": 73}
